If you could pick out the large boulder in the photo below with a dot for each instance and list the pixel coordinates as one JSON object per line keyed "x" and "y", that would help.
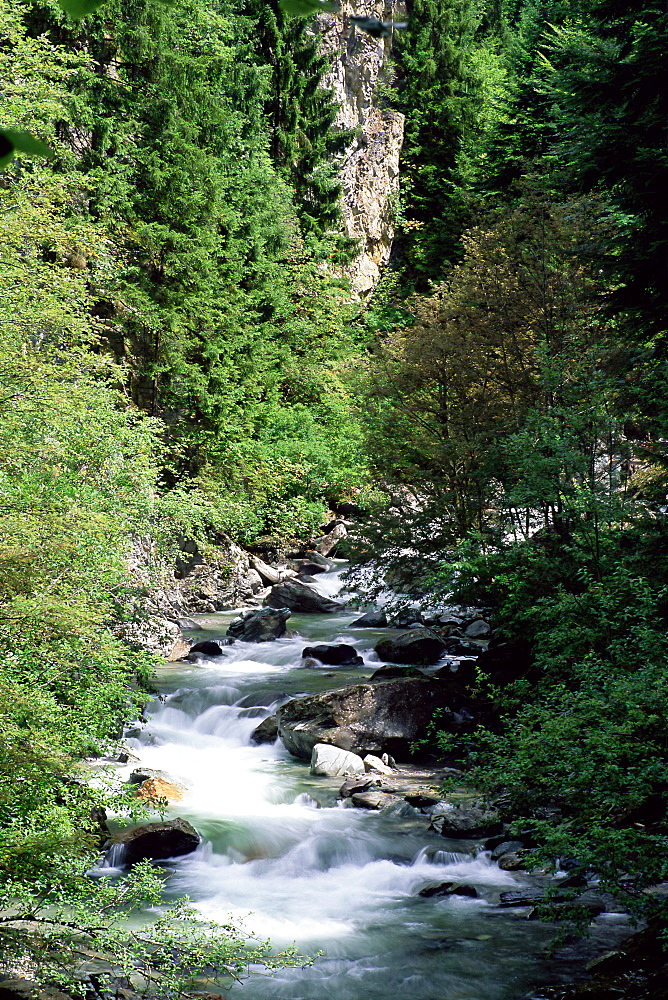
{"x": 464, "y": 820}
{"x": 261, "y": 625}
{"x": 387, "y": 716}
{"x": 329, "y": 761}
{"x": 268, "y": 574}
{"x": 310, "y": 569}
{"x": 317, "y": 558}
{"x": 478, "y": 629}
{"x": 160, "y": 790}
{"x": 448, "y": 889}
{"x": 299, "y": 597}
{"x": 327, "y": 543}
{"x": 418, "y": 645}
{"x": 372, "y": 619}
{"x": 389, "y": 670}
{"x": 339, "y": 655}
{"x": 153, "y": 841}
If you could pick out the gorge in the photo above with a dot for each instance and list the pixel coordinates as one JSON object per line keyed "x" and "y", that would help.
{"x": 284, "y": 281}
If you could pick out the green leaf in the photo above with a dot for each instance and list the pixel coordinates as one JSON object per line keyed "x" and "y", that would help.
{"x": 16, "y": 141}
{"x": 80, "y": 8}
{"x": 300, "y": 8}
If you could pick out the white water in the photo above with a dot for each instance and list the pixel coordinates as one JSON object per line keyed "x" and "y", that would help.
{"x": 338, "y": 879}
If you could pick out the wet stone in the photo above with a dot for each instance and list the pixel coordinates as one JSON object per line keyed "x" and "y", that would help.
{"x": 448, "y": 889}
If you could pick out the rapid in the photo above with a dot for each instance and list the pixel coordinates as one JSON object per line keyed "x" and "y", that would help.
{"x": 282, "y": 855}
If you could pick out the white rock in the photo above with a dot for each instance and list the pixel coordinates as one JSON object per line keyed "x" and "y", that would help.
{"x": 329, "y": 761}
{"x": 372, "y": 763}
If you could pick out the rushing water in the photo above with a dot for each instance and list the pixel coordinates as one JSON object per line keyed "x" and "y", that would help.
{"x": 279, "y": 852}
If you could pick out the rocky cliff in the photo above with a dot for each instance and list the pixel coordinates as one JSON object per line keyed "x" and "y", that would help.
{"x": 370, "y": 166}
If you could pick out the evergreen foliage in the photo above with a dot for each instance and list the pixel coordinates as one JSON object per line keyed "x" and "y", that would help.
{"x": 169, "y": 360}
{"x": 439, "y": 89}
{"x": 527, "y": 407}
{"x": 300, "y": 114}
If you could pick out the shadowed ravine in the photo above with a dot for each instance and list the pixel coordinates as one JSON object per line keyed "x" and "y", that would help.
{"x": 281, "y": 854}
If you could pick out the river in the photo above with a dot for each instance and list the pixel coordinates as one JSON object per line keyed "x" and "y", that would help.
{"x": 297, "y": 866}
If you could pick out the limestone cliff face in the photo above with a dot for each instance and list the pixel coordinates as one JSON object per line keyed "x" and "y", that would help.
{"x": 370, "y": 166}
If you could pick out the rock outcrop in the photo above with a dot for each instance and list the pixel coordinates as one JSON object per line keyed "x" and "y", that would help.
{"x": 370, "y": 165}
{"x": 150, "y": 619}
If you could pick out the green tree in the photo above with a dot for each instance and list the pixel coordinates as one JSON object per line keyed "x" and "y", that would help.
{"x": 439, "y": 89}
{"x": 607, "y": 84}
{"x": 301, "y": 114}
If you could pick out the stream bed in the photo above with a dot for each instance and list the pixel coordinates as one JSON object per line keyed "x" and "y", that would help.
{"x": 280, "y": 853}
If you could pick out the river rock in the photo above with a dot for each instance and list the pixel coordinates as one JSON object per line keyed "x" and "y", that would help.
{"x": 317, "y": 558}
{"x": 415, "y": 646}
{"x": 389, "y": 670}
{"x": 189, "y": 623}
{"x": 371, "y": 799}
{"x": 506, "y": 847}
{"x": 369, "y": 718}
{"x": 448, "y": 889}
{"x": 156, "y": 841}
{"x": 340, "y": 655}
{"x": 329, "y": 526}
{"x": 310, "y": 569}
{"x": 261, "y": 625}
{"x": 29, "y": 989}
{"x": 179, "y": 651}
{"x": 464, "y": 820}
{"x": 407, "y": 619}
{"x": 329, "y": 761}
{"x": 299, "y": 597}
{"x": 327, "y": 543}
{"x": 266, "y": 732}
{"x": 268, "y": 574}
{"x": 141, "y": 774}
{"x": 154, "y": 789}
{"x": 210, "y": 647}
{"x": 477, "y": 629}
{"x": 372, "y": 619}
{"x": 516, "y": 861}
{"x": 372, "y": 763}
{"x": 589, "y": 904}
{"x": 358, "y": 783}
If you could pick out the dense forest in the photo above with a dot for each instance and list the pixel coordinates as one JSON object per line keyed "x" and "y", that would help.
{"x": 181, "y": 356}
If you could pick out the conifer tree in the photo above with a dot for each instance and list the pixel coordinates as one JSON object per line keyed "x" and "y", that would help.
{"x": 439, "y": 91}
{"x": 608, "y": 83}
{"x": 300, "y": 114}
